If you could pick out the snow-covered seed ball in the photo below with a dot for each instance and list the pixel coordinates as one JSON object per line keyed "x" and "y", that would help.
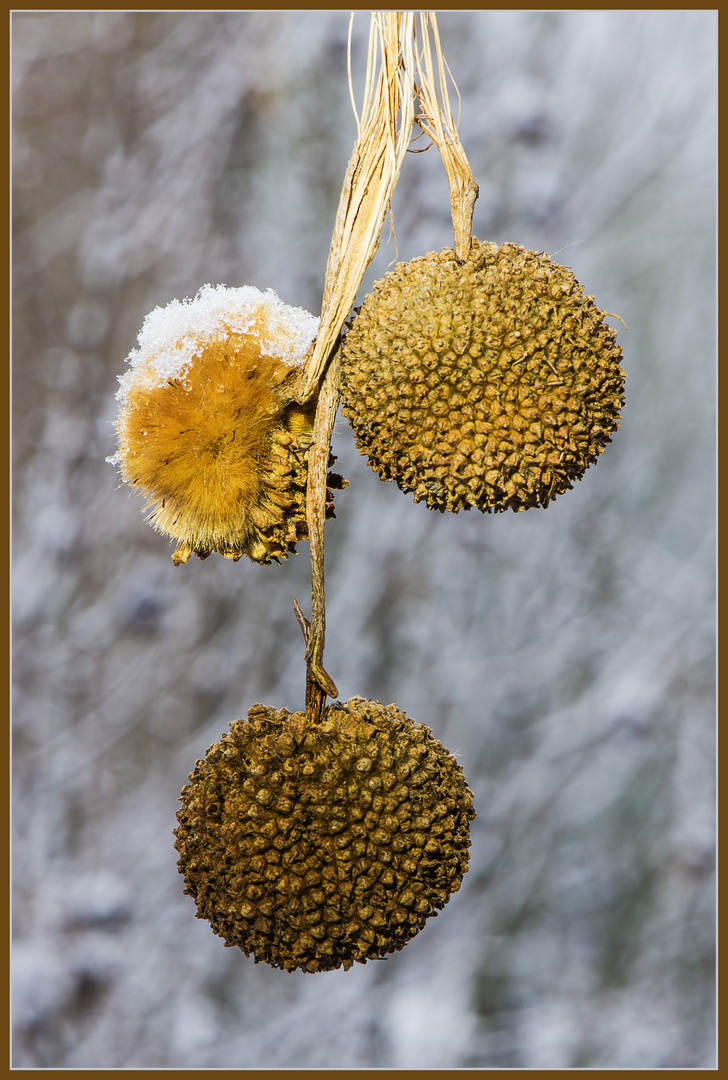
{"x": 209, "y": 430}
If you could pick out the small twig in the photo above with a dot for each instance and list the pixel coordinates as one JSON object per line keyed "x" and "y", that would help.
{"x": 303, "y": 622}
{"x": 318, "y": 682}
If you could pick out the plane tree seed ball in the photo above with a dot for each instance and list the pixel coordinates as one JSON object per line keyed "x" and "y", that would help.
{"x": 209, "y": 430}
{"x": 313, "y": 846}
{"x": 493, "y": 383}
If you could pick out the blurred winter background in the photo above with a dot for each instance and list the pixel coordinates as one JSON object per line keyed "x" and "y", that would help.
{"x": 565, "y": 656}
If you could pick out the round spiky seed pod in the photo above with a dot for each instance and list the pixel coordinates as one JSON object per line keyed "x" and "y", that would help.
{"x": 312, "y": 846}
{"x": 492, "y": 383}
{"x": 209, "y": 430}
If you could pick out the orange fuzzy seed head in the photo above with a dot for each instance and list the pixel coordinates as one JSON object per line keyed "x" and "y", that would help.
{"x": 216, "y": 442}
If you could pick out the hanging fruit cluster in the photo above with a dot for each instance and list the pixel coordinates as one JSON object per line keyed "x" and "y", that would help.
{"x": 479, "y": 377}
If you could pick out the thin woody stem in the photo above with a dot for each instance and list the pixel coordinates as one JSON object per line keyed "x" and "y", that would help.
{"x": 318, "y": 683}
{"x": 368, "y": 185}
{"x": 384, "y": 134}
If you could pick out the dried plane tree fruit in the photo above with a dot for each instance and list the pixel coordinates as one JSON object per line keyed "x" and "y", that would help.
{"x": 311, "y": 846}
{"x": 491, "y": 383}
{"x": 209, "y": 430}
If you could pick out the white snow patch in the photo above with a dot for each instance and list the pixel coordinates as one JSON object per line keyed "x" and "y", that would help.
{"x": 172, "y": 336}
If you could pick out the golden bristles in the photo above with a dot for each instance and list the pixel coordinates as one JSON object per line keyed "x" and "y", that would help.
{"x": 492, "y": 383}
{"x": 313, "y": 846}
{"x": 219, "y": 445}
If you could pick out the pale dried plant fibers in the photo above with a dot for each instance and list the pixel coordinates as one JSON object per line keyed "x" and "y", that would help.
{"x": 384, "y": 135}
{"x": 396, "y": 76}
{"x": 439, "y": 124}
{"x": 385, "y": 130}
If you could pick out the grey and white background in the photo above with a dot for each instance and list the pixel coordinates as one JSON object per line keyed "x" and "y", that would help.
{"x": 565, "y": 656}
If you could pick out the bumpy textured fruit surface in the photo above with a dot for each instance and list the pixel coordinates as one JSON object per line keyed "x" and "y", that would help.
{"x": 314, "y": 846}
{"x": 493, "y": 383}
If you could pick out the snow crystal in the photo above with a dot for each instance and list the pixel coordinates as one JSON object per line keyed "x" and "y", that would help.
{"x": 172, "y": 336}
